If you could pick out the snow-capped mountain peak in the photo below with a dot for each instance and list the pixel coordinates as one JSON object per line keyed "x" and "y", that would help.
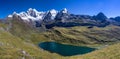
{"x": 34, "y": 15}
{"x": 53, "y": 13}
{"x": 32, "y": 12}
{"x": 15, "y": 13}
{"x": 23, "y": 14}
{"x": 64, "y": 10}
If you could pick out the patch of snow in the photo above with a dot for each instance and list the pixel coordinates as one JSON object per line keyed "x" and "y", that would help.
{"x": 10, "y": 16}
{"x": 64, "y": 10}
{"x": 53, "y": 13}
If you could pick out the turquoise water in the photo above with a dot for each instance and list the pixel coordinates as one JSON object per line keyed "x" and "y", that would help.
{"x": 65, "y": 50}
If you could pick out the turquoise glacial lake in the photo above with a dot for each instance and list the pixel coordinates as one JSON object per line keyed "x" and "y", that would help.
{"x": 65, "y": 50}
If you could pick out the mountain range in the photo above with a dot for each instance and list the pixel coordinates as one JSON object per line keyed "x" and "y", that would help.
{"x": 63, "y": 18}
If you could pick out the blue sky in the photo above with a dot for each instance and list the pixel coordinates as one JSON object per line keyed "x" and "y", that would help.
{"x": 110, "y": 8}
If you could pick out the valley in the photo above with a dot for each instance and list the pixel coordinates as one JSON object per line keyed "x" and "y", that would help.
{"x": 20, "y": 36}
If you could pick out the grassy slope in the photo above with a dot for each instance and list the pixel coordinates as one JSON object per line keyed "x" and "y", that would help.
{"x": 25, "y": 32}
{"x": 12, "y": 47}
{"x": 111, "y": 52}
{"x": 84, "y": 35}
{"x": 24, "y": 38}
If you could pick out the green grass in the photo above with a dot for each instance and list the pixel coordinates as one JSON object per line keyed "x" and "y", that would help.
{"x": 22, "y": 37}
{"x": 110, "y": 52}
{"x": 11, "y": 47}
{"x": 83, "y": 35}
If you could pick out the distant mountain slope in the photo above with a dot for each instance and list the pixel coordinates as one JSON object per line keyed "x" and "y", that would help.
{"x": 72, "y": 35}
{"x": 85, "y": 35}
